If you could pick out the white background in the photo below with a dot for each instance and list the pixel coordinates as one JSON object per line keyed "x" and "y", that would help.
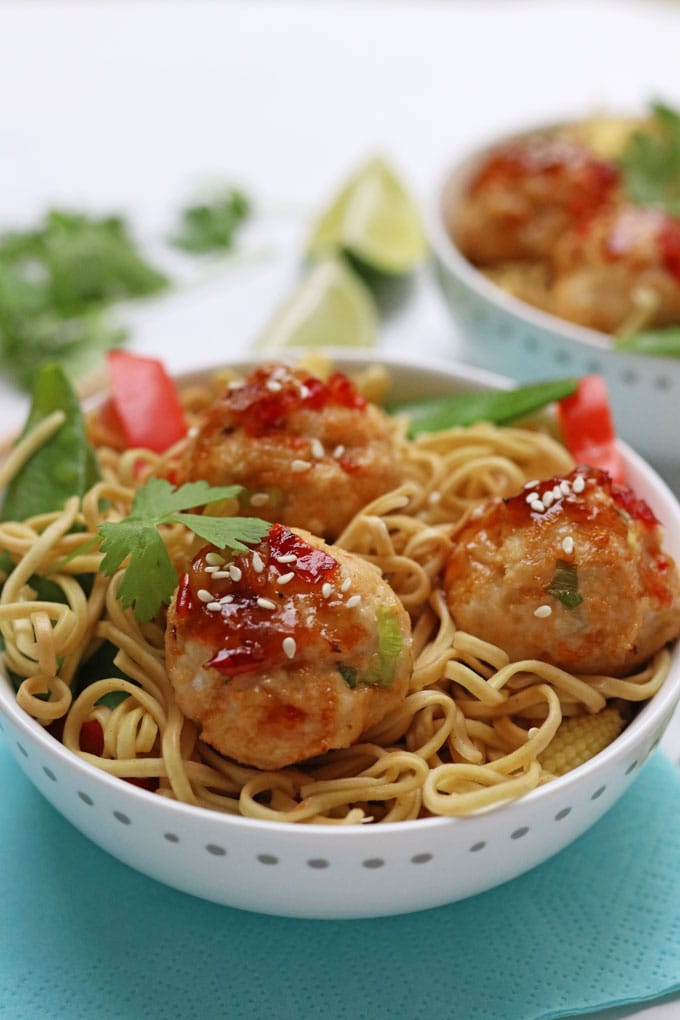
{"x": 131, "y": 106}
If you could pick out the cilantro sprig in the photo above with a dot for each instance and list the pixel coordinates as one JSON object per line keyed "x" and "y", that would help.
{"x": 150, "y": 577}
{"x": 212, "y": 225}
{"x": 651, "y": 161}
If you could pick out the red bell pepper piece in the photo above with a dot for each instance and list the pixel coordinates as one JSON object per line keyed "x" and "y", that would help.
{"x": 587, "y": 427}
{"x": 91, "y": 737}
{"x": 144, "y": 408}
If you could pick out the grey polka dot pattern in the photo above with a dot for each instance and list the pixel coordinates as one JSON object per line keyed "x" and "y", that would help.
{"x": 216, "y": 851}
{"x": 320, "y": 864}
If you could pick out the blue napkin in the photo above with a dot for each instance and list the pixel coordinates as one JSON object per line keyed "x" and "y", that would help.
{"x": 82, "y": 935}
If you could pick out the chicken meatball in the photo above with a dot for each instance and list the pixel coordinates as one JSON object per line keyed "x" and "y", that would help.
{"x": 526, "y": 195}
{"x": 570, "y": 571}
{"x": 309, "y": 453}
{"x": 626, "y": 256}
{"x": 286, "y": 651}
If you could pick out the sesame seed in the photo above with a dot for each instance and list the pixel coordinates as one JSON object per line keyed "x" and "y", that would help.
{"x": 226, "y": 599}
{"x": 259, "y": 499}
{"x": 338, "y": 451}
{"x": 287, "y": 558}
{"x": 568, "y": 544}
{"x": 289, "y": 646}
{"x": 235, "y": 573}
{"x": 353, "y": 601}
{"x": 565, "y": 487}
{"x": 531, "y": 497}
{"x": 346, "y": 584}
{"x": 557, "y": 492}
{"x": 579, "y": 484}
{"x": 211, "y": 570}
{"x": 214, "y": 558}
{"x": 317, "y": 449}
{"x": 204, "y": 595}
{"x": 266, "y": 603}
{"x": 235, "y": 384}
{"x": 304, "y": 391}
{"x": 274, "y": 386}
{"x": 214, "y": 607}
{"x": 298, "y": 466}
{"x": 538, "y": 506}
{"x": 222, "y": 573}
{"x": 548, "y": 498}
{"x": 258, "y": 565}
{"x": 530, "y": 485}
{"x": 327, "y": 590}
{"x": 285, "y": 578}
{"x": 542, "y": 612}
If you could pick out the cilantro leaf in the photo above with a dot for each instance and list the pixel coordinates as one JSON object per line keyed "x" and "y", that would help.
{"x": 150, "y": 577}
{"x": 211, "y": 226}
{"x": 650, "y": 162}
{"x": 150, "y": 574}
{"x": 226, "y": 532}
{"x": 158, "y": 498}
{"x": 57, "y": 282}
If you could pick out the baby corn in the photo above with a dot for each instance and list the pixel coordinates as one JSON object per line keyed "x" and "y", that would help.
{"x": 580, "y": 737}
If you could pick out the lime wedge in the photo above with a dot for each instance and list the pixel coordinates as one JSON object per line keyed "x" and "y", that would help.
{"x": 375, "y": 220}
{"x": 330, "y": 307}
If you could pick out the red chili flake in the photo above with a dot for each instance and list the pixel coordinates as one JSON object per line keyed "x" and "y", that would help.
{"x": 234, "y": 661}
{"x": 637, "y": 508}
{"x": 311, "y": 563}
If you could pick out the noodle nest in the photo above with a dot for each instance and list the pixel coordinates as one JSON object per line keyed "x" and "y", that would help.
{"x": 470, "y": 734}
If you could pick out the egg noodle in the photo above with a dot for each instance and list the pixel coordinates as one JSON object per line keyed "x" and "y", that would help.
{"x": 471, "y": 732}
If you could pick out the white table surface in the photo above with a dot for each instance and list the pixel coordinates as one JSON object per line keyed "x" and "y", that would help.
{"x": 131, "y": 106}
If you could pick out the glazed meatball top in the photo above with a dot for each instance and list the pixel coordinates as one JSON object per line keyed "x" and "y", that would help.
{"x": 310, "y": 452}
{"x": 571, "y": 571}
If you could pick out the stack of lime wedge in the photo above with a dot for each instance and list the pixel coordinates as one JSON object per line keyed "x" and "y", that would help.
{"x": 371, "y": 225}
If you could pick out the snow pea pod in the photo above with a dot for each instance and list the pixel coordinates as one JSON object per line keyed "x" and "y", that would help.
{"x": 496, "y": 406}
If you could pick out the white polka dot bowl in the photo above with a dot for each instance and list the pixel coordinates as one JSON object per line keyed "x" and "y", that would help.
{"x": 319, "y": 871}
{"x": 502, "y": 333}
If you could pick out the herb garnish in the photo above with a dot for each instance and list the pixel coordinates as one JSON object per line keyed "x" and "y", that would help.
{"x": 150, "y": 577}
{"x": 564, "y": 585}
{"x": 651, "y": 161}
{"x": 56, "y": 283}
{"x": 211, "y": 226}
{"x": 496, "y": 406}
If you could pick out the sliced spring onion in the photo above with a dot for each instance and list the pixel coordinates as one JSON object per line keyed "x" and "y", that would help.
{"x": 564, "y": 585}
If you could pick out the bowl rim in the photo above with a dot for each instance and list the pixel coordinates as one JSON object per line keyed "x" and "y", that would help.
{"x": 451, "y": 181}
{"x": 651, "y": 712}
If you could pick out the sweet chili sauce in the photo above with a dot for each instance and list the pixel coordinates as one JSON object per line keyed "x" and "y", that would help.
{"x": 263, "y": 402}
{"x": 266, "y": 605}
